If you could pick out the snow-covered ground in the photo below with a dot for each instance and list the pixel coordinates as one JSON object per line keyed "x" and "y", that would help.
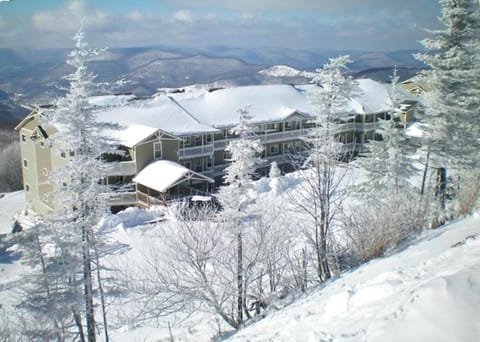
{"x": 428, "y": 290}
{"x": 10, "y": 204}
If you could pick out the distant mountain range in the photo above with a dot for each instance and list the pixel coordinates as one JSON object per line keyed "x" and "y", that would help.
{"x": 32, "y": 77}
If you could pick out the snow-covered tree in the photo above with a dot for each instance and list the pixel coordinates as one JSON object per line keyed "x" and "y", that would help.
{"x": 236, "y": 196}
{"x": 65, "y": 246}
{"x": 322, "y": 174}
{"x": 387, "y": 162}
{"x": 452, "y": 102}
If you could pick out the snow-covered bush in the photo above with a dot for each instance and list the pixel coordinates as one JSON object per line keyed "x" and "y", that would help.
{"x": 373, "y": 227}
{"x": 467, "y": 195}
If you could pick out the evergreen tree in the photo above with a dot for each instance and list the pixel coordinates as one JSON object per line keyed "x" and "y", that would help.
{"x": 451, "y": 104}
{"x": 387, "y": 162}
{"x": 64, "y": 242}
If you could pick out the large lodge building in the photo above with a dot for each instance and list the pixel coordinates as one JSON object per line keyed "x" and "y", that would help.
{"x": 174, "y": 142}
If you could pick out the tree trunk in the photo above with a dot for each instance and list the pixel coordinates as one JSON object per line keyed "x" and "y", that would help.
{"x": 100, "y": 288}
{"x": 441, "y": 187}
{"x": 78, "y": 323}
{"x": 87, "y": 283}
{"x": 425, "y": 171}
{"x": 240, "y": 299}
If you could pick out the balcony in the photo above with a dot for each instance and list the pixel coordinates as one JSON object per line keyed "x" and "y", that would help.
{"x": 124, "y": 168}
{"x": 267, "y": 137}
{"x": 197, "y": 151}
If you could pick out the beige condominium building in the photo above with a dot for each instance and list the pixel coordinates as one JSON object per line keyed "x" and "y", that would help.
{"x": 173, "y": 144}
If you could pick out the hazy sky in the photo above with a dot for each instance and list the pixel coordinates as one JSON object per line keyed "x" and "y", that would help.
{"x": 305, "y": 24}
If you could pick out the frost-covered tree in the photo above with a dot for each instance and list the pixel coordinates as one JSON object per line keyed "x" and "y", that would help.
{"x": 387, "y": 162}
{"x": 451, "y": 104}
{"x": 66, "y": 245}
{"x": 390, "y": 206}
{"x": 237, "y": 194}
{"x": 322, "y": 174}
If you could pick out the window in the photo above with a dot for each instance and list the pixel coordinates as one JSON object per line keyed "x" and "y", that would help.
{"x": 290, "y": 125}
{"x": 42, "y": 144}
{"x": 208, "y": 138}
{"x": 187, "y": 164}
{"x": 157, "y": 150}
{"x": 63, "y": 154}
{"x": 25, "y": 163}
{"x": 274, "y": 149}
{"x": 198, "y": 165}
{"x": 45, "y": 172}
{"x": 197, "y": 140}
{"x": 298, "y": 146}
{"x": 24, "y": 138}
{"x": 71, "y": 154}
{"x": 287, "y": 147}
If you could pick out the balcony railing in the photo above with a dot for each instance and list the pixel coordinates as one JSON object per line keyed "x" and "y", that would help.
{"x": 189, "y": 152}
{"x": 147, "y": 201}
{"x": 125, "y": 198}
{"x": 124, "y": 168}
{"x": 267, "y": 138}
{"x": 357, "y": 127}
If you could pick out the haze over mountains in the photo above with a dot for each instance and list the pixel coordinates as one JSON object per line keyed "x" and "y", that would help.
{"x": 33, "y": 77}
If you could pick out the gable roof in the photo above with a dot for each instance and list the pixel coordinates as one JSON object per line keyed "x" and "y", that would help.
{"x": 162, "y": 175}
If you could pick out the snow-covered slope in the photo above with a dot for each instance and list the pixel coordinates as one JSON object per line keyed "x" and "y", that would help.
{"x": 430, "y": 291}
{"x": 285, "y": 71}
{"x": 280, "y": 71}
{"x": 10, "y": 204}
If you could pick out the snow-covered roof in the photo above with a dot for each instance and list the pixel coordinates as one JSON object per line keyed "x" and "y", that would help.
{"x": 131, "y": 135}
{"x": 373, "y": 97}
{"x": 162, "y": 175}
{"x": 199, "y": 111}
{"x": 160, "y": 113}
{"x": 265, "y": 103}
{"x": 111, "y": 100}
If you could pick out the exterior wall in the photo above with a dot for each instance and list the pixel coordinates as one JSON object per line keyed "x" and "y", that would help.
{"x": 170, "y": 149}
{"x": 143, "y": 155}
{"x": 37, "y": 166}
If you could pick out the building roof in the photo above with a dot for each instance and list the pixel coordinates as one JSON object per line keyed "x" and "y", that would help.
{"x": 199, "y": 111}
{"x": 162, "y": 175}
{"x": 139, "y": 120}
{"x": 373, "y": 97}
{"x": 265, "y": 103}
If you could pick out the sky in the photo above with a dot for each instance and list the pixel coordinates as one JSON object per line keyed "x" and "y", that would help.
{"x": 376, "y": 25}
